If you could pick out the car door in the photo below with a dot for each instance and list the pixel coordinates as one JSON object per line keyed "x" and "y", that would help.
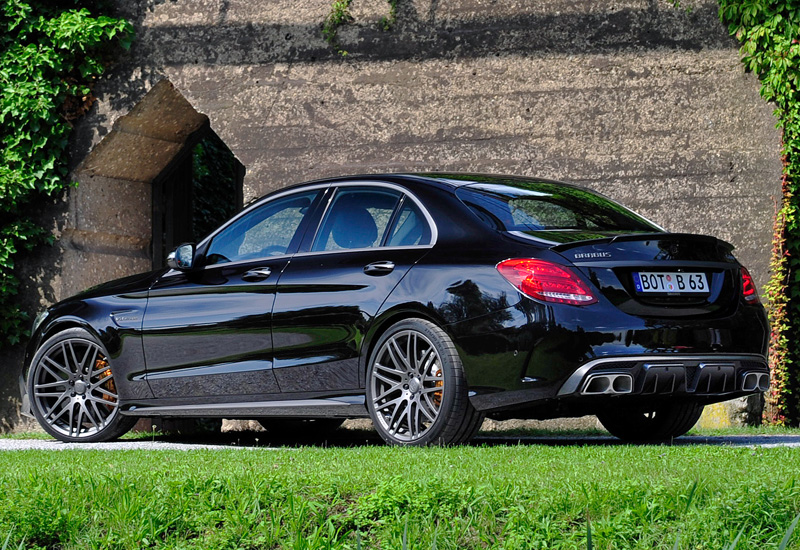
{"x": 207, "y": 332}
{"x": 368, "y": 238}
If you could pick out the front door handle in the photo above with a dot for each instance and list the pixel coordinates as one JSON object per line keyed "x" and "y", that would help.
{"x": 257, "y": 274}
{"x": 379, "y": 268}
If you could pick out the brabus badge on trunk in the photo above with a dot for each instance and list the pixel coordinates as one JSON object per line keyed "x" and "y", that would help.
{"x": 586, "y": 255}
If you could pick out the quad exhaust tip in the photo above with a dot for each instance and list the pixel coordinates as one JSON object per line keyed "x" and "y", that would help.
{"x": 608, "y": 384}
{"x": 755, "y": 381}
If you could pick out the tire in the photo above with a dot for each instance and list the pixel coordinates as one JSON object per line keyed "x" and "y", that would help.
{"x": 72, "y": 391}
{"x": 416, "y": 389}
{"x": 660, "y": 423}
{"x": 294, "y": 428}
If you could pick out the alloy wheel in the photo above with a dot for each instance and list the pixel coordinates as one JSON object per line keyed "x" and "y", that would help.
{"x": 407, "y": 385}
{"x": 73, "y": 389}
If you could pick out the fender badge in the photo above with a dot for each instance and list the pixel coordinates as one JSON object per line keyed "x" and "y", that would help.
{"x": 126, "y": 319}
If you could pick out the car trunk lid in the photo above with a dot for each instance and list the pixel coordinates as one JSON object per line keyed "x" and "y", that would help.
{"x": 658, "y": 274}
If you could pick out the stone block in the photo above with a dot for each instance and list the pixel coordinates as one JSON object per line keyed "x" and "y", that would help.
{"x": 163, "y": 114}
{"x": 129, "y": 157}
{"x": 114, "y": 206}
{"x": 88, "y": 267}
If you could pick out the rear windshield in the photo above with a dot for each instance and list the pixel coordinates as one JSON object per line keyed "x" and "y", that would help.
{"x": 543, "y": 207}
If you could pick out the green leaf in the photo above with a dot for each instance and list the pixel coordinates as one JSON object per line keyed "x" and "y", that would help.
{"x": 589, "y": 545}
{"x": 787, "y": 537}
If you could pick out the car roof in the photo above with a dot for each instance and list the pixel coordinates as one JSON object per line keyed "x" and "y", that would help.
{"x": 446, "y": 180}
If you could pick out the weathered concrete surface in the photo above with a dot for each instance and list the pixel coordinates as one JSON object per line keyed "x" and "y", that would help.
{"x": 639, "y": 100}
{"x": 635, "y": 98}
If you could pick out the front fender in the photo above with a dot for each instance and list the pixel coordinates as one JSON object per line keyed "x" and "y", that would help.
{"x": 116, "y": 322}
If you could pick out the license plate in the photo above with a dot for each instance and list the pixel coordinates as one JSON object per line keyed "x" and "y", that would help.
{"x": 649, "y": 281}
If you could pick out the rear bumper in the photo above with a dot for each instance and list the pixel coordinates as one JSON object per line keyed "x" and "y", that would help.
{"x": 544, "y": 356}
{"x": 601, "y": 383}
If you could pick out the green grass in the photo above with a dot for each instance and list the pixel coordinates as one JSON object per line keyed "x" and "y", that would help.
{"x": 510, "y": 497}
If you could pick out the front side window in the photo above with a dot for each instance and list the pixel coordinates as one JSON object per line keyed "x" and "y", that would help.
{"x": 266, "y": 231}
{"x": 357, "y": 218}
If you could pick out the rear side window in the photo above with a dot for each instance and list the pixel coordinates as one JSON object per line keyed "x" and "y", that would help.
{"x": 543, "y": 206}
{"x": 410, "y": 227}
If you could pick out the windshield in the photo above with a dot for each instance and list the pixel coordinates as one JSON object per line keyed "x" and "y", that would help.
{"x": 543, "y": 207}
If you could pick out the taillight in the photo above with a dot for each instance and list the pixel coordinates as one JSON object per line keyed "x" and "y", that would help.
{"x": 546, "y": 281}
{"x": 748, "y": 287}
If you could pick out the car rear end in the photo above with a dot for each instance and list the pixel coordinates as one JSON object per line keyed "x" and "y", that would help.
{"x": 620, "y": 313}
{"x": 688, "y": 310}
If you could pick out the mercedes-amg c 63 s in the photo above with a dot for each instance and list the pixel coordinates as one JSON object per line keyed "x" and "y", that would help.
{"x": 423, "y": 301}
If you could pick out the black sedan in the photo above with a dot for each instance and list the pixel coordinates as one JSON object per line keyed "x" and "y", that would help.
{"x": 423, "y": 301}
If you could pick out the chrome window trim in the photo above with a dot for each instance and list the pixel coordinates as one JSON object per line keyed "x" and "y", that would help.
{"x": 329, "y": 206}
{"x": 173, "y": 272}
{"x": 252, "y": 207}
{"x": 340, "y": 251}
{"x": 365, "y": 183}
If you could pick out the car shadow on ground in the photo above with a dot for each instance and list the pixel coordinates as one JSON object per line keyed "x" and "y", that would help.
{"x": 344, "y": 438}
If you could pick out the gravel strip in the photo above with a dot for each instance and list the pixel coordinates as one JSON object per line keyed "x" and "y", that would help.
{"x": 45, "y": 445}
{"x": 762, "y": 441}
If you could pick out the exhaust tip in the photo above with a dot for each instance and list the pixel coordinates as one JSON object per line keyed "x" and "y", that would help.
{"x": 605, "y": 384}
{"x": 755, "y": 381}
{"x": 750, "y": 382}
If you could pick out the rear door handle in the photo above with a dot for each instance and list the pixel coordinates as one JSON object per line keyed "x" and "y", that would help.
{"x": 257, "y": 274}
{"x": 379, "y": 268}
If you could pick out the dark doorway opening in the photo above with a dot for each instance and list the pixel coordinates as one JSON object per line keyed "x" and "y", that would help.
{"x": 200, "y": 189}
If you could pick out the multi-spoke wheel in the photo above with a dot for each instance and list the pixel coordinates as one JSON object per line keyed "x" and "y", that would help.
{"x": 416, "y": 391}
{"x": 654, "y": 423}
{"x": 72, "y": 389}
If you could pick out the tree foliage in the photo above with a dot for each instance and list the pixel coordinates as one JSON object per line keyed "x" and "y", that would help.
{"x": 769, "y": 32}
{"x": 50, "y": 53}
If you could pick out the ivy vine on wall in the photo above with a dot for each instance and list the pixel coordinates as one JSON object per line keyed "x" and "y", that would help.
{"x": 769, "y": 31}
{"x": 50, "y": 53}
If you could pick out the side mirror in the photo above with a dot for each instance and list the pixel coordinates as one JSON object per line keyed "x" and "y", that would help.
{"x": 182, "y": 258}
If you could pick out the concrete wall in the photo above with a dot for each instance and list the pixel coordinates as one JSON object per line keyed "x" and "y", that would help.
{"x": 637, "y": 99}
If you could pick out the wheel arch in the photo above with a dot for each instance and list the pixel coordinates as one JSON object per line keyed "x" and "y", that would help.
{"x": 51, "y": 329}
{"x": 386, "y": 320}
{"x": 66, "y": 323}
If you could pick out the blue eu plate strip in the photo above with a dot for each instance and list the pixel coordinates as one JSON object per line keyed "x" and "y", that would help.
{"x": 637, "y": 281}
